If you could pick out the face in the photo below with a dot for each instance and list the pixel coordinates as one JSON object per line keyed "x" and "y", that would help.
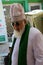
{"x": 18, "y": 25}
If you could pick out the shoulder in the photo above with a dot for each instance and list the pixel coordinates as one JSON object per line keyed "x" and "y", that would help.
{"x": 34, "y": 32}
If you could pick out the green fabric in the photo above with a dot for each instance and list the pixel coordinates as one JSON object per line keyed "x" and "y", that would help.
{"x": 23, "y": 47}
{"x": 9, "y": 63}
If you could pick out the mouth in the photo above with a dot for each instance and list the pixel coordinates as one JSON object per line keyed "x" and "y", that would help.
{"x": 18, "y": 30}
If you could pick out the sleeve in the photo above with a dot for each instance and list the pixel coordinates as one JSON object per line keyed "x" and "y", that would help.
{"x": 38, "y": 49}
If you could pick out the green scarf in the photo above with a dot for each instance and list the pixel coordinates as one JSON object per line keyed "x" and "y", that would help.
{"x": 22, "y": 48}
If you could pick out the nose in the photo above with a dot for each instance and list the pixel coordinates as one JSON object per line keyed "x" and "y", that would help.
{"x": 16, "y": 28}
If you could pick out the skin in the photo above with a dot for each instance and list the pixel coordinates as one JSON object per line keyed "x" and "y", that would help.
{"x": 20, "y": 27}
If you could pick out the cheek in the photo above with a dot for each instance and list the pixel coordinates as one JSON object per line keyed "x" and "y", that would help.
{"x": 14, "y": 26}
{"x": 17, "y": 28}
{"x": 21, "y": 26}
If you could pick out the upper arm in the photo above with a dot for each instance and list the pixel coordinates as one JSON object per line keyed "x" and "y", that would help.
{"x": 38, "y": 49}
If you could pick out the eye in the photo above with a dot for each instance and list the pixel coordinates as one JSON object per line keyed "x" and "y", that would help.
{"x": 17, "y": 24}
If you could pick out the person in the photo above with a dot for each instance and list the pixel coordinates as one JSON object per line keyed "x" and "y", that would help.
{"x": 6, "y": 58}
{"x": 27, "y": 40}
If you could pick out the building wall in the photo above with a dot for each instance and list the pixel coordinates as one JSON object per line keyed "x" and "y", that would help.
{"x": 35, "y": 1}
{"x": 23, "y": 2}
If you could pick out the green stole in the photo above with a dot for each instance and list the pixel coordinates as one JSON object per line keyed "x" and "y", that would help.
{"x": 22, "y": 47}
{"x": 22, "y": 56}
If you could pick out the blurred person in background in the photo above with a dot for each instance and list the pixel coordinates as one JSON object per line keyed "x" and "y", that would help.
{"x": 27, "y": 48}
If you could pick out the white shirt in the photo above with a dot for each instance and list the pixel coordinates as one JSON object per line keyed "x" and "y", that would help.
{"x": 15, "y": 52}
{"x": 34, "y": 49}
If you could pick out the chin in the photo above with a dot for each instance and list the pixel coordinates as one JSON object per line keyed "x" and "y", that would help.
{"x": 18, "y": 33}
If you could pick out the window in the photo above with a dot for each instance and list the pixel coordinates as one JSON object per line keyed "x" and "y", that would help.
{"x": 34, "y": 6}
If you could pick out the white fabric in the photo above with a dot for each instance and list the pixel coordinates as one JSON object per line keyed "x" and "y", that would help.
{"x": 34, "y": 49}
{"x": 15, "y": 52}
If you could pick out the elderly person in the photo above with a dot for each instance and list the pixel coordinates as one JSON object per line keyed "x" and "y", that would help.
{"x": 27, "y": 48}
